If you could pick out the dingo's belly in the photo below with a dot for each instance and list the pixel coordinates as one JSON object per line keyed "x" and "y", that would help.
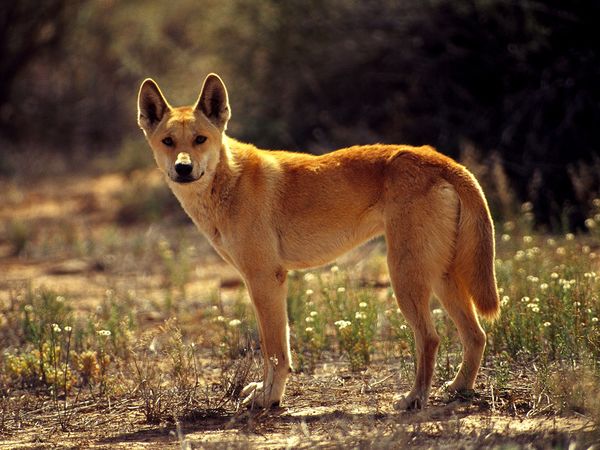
{"x": 308, "y": 242}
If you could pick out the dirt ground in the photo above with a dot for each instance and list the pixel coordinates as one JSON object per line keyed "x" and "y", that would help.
{"x": 330, "y": 409}
{"x": 318, "y": 414}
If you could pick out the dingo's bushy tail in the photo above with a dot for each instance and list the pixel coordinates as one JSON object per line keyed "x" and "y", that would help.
{"x": 475, "y": 253}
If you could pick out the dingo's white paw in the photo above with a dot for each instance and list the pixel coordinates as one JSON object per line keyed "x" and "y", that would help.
{"x": 409, "y": 401}
{"x": 256, "y": 396}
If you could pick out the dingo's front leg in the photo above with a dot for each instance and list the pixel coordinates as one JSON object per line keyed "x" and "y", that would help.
{"x": 268, "y": 293}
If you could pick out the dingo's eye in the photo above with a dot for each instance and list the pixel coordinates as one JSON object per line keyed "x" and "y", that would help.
{"x": 168, "y": 142}
{"x": 200, "y": 139}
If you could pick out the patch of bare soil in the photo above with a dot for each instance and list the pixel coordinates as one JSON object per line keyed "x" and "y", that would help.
{"x": 329, "y": 409}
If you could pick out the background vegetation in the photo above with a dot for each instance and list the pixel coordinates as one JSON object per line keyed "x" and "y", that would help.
{"x": 513, "y": 84}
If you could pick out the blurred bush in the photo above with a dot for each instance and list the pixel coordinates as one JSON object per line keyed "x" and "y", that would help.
{"x": 517, "y": 79}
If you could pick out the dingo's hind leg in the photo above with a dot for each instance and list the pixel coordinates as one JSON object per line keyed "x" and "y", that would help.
{"x": 460, "y": 308}
{"x": 413, "y": 300}
{"x": 409, "y": 278}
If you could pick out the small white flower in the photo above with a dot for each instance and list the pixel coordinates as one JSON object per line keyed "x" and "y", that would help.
{"x": 104, "y": 332}
{"x": 504, "y": 300}
{"x": 554, "y": 275}
{"x": 543, "y": 286}
{"x": 519, "y": 255}
{"x": 313, "y": 313}
{"x": 594, "y": 319}
{"x": 547, "y": 324}
{"x": 309, "y": 319}
{"x": 590, "y": 223}
{"x": 220, "y": 319}
{"x": 362, "y": 305}
{"x": 551, "y": 242}
{"x": 527, "y": 239}
{"x": 341, "y": 324}
{"x": 60, "y": 299}
{"x": 235, "y": 323}
{"x": 505, "y": 237}
{"x": 561, "y": 251}
{"x": 68, "y": 329}
{"x": 403, "y": 327}
{"x": 28, "y": 308}
{"x": 360, "y": 315}
{"x": 509, "y": 226}
{"x": 437, "y": 312}
{"x": 334, "y": 269}
{"x": 308, "y": 277}
{"x": 569, "y": 236}
{"x": 341, "y": 289}
{"x": 585, "y": 249}
{"x": 309, "y": 292}
{"x": 308, "y": 329}
{"x": 56, "y": 328}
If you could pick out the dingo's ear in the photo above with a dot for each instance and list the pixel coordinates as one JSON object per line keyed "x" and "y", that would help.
{"x": 151, "y": 106}
{"x": 213, "y": 101}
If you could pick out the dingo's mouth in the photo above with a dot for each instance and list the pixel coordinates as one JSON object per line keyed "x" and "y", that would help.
{"x": 185, "y": 179}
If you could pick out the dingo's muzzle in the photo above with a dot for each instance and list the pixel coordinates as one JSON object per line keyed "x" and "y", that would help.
{"x": 184, "y": 168}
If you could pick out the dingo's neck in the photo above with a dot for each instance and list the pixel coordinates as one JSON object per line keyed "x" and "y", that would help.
{"x": 206, "y": 198}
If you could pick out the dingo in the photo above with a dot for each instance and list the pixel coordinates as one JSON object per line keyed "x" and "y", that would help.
{"x": 266, "y": 212}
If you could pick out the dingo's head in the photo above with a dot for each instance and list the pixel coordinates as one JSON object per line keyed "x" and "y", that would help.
{"x": 186, "y": 141}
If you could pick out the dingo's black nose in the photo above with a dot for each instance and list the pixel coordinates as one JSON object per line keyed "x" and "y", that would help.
{"x": 183, "y": 169}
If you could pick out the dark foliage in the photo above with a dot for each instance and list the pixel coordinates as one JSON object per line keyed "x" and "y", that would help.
{"x": 517, "y": 78}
